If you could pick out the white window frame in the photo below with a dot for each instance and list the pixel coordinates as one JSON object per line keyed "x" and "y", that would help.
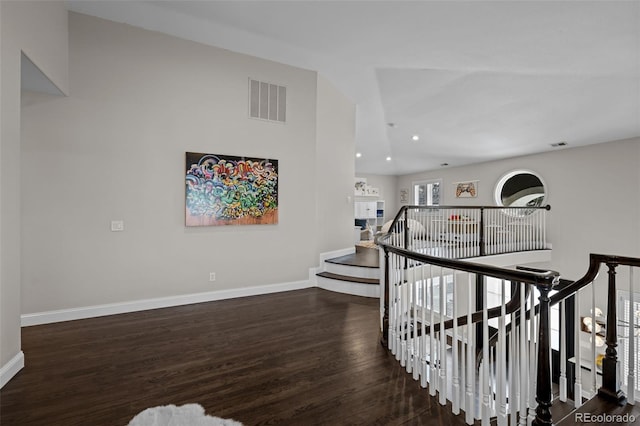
{"x": 428, "y": 182}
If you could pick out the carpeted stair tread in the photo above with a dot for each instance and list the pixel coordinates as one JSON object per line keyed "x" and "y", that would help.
{"x": 358, "y": 280}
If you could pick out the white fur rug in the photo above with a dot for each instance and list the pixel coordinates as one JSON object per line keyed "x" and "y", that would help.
{"x": 185, "y": 415}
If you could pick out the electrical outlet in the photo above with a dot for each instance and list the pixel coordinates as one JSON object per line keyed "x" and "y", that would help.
{"x": 212, "y": 276}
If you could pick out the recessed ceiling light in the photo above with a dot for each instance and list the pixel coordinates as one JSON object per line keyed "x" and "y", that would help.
{"x": 415, "y": 137}
{"x": 358, "y": 154}
{"x": 388, "y": 158}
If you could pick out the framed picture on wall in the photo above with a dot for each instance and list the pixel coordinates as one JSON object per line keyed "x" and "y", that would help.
{"x": 468, "y": 189}
{"x": 230, "y": 190}
{"x": 404, "y": 196}
{"x": 360, "y": 186}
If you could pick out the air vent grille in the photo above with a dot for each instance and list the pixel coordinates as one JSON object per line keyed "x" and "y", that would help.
{"x": 267, "y": 101}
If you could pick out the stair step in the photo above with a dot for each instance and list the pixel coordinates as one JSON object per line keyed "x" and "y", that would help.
{"x": 598, "y": 408}
{"x": 363, "y": 259}
{"x": 330, "y": 275}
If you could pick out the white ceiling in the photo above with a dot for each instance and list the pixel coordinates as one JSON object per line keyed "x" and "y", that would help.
{"x": 476, "y": 80}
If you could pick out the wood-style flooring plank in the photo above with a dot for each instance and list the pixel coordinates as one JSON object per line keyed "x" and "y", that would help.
{"x": 307, "y": 357}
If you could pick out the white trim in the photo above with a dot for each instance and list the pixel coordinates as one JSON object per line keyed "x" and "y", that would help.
{"x": 427, "y": 182}
{"x": 347, "y": 287}
{"x": 84, "y": 312}
{"x": 352, "y": 271}
{"x": 313, "y": 278}
{"x": 335, "y": 253}
{"x": 11, "y": 368}
{"x": 48, "y": 317}
{"x": 505, "y": 260}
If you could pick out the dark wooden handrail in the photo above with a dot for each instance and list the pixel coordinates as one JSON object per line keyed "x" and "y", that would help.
{"x": 545, "y": 282}
{"x": 547, "y": 207}
{"x": 528, "y": 276}
{"x": 610, "y": 388}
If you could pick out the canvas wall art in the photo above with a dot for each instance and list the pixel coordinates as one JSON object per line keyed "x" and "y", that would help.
{"x": 230, "y": 190}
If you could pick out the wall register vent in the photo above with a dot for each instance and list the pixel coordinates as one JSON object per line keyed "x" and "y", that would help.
{"x": 267, "y": 101}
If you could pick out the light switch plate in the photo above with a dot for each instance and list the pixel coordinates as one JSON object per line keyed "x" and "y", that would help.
{"x": 117, "y": 225}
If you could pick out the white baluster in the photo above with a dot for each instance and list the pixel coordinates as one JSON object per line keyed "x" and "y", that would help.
{"x": 443, "y": 340}
{"x": 463, "y": 374}
{"x": 455, "y": 401}
{"x": 392, "y": 303}
{"x": 593, "y": 373}
{"x": 533, "y": 359}
{"x": 502, "y": 360}
{"x": 562, "y": 383}
{"x": 511, "y": 376}
{"x": 577, "y": 398}
{"x": 410, "y": 283}
{"x": 423, "y": 329}
{"x": 470, "y": 358}
{"x": 403, "y": 317}
{"x": 524, "y": 357}
{"x": 492, "y": 380}
{"x": 485, "y": 389}
{"x": 416, "y": 322}
{"x": 544, "y": 229}
{"x": 398, "y": 287}
{"x": 432, "y": 341}
{"x": 514, "y": 369}
{"x": 631, "y": 377}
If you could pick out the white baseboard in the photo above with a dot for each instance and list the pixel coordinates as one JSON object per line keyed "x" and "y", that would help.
{"x": 313, "y": 278}
{"x": 11, "y": 368}
{"x": 162, "y": 302}
{"x": 84, "y": 312}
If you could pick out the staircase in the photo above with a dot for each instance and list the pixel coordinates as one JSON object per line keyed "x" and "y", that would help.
{"x": 491, "y": 361}
{"x": 357, "y": 273}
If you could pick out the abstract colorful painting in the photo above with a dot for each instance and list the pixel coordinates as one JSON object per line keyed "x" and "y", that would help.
{"x": 229, "y": 190}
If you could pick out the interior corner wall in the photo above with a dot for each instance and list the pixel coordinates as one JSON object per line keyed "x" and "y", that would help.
{"x": 40, "y": 30}
{"x": 595, "y": 202}
{"x": 335, "y": 151}
{"x": 115, "y": 150}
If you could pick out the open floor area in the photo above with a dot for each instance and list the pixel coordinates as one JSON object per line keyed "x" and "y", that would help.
{"x": 308, "y": 357}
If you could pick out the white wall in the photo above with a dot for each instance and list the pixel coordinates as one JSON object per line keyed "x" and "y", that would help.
{"x": 115, "y": 149}
{"x": 40, "y": 30}
{"x": 335, "y": 150}
{"x": 594, "y": 193}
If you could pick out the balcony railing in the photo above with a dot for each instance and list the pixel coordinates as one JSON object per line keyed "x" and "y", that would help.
{"x": 479, "y": 336}
{"x": 462, "y": 232}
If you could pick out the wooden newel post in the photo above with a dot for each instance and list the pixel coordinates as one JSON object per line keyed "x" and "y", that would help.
{"x": 610, "y": 388}
{"x": 543, "y": 381}
{"x": 384, "y": 338}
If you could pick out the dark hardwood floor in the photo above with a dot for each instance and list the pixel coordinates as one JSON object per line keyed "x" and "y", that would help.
{"x": 308, "y": 357}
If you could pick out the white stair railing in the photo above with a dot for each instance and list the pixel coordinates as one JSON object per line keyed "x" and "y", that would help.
{"x": 591, "y": 319}
{"x": 432, "y": 333}
{"x": 465, "y": 232}
{"x": 492, "y": 360}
